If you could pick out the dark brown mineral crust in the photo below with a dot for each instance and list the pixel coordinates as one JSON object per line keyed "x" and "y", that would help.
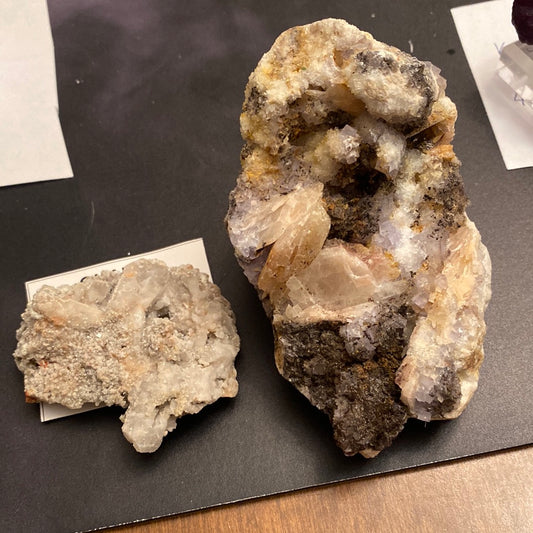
{"x": 355, "y": 388}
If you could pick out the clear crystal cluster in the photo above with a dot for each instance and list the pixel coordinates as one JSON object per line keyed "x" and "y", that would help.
{"x": 349, "y": 219}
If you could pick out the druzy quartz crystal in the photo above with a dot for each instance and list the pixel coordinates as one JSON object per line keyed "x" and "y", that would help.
{"x": 349, "y": 219}
{"x": 158, "y": 341}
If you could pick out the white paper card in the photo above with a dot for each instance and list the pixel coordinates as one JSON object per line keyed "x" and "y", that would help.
{"x": 484, "y": 29}
{"x": 190, "y": 252}
{"x": 32, "y": 147}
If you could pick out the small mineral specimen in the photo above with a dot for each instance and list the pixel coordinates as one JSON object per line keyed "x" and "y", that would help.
{"x": 349, "y": 219}
{"x": 158, "y": 341}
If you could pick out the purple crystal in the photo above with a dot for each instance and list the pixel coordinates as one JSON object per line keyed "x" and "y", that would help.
{"x": 522, "y": 18}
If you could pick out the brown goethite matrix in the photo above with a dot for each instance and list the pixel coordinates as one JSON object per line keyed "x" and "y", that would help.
{"x": 349, "y": 219}
{"x": 158, "y": 341}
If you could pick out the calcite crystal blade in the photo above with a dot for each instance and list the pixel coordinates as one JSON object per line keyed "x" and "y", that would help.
{"x": 158, "y": 341}
{"x": 349, "y": 219}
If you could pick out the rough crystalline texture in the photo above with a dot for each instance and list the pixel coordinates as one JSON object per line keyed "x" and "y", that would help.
{"x": 349, "y": 219}
{"x": 158, "y": 341}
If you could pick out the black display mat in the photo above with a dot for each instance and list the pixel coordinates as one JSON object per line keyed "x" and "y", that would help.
{"x": 150, "y": 94}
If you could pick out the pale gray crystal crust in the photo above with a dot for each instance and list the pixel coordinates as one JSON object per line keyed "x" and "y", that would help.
{"x": 158, "y": 341}
{"x": 349, "y": 219}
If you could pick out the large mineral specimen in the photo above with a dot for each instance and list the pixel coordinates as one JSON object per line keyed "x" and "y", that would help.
{"x": 349, "y": 219}
{"x": 158, "y": 341}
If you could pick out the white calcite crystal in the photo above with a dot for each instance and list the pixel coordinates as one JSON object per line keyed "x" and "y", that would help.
{"x": 349, "y": 219}
{"x": 158, "y": 341}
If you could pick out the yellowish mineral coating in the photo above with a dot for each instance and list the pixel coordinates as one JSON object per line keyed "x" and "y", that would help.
{"x": 349, "y": 219}
{"x": 158, "y": 341}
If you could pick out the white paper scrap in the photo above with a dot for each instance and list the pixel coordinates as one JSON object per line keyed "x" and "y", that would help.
{"x": 32, "y": 147}
{"x": 484, "y": 29}
{"x": 190, "y": 252}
